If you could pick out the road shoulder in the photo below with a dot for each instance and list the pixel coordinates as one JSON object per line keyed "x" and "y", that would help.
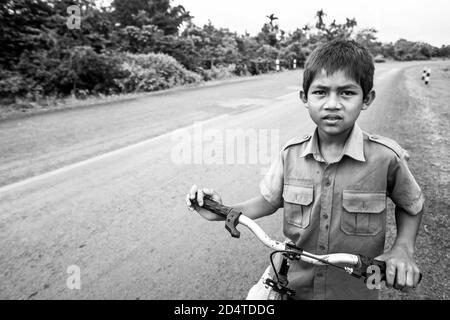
{"x": 424, "y": 131}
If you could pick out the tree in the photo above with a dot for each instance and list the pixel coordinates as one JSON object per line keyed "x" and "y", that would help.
{"x": 272, "y": 18}
{"x": 156, "y": 12}
{"x": 268, "y": 35}
{"x": 21, "y": 24}
{"x": 388, "y": 50}
{"x": 367, "y": 37}
{"x": 405, "y": 50}
{"x": 334, "y": 30}
{"x": 215, "y": 46}
{"x": 443, "y": 51}
{"x": 320, "y": 24}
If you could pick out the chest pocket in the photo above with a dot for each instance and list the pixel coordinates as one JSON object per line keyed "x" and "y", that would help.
{"x": 298, "y": 201}
{"x": 364, "y": 212}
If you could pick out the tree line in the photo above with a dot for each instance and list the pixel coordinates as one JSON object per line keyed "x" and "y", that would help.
{"x": 148, "y": 45}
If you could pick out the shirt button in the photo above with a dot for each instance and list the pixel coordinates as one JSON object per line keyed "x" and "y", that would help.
{"x": 325, "y": 216}
{"x": 322, "y": 248}
{"x": 328, "y": 183}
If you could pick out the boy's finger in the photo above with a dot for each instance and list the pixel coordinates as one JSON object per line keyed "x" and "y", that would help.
{"x": 207, "y": 191}
{"x": 193, "y": 191}
{"x": 400, "y": 276}
{"x": 189, "y": 203}
{"x": 188, "y": 200}
{"x": 214, "y": 195}
{"x": 390, "y": 274}
{"x": 200, "y": 196}
{"x": 409, "y": 278}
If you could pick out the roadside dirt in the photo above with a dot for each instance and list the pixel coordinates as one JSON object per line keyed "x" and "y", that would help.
{"x": 420, "y": 124}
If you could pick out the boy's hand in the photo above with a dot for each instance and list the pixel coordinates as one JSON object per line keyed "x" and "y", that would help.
{"x": 199, "y": 194}
{"x": 402, "y": 272}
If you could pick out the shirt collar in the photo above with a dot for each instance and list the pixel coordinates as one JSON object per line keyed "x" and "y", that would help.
{"x": 354, "y": 146}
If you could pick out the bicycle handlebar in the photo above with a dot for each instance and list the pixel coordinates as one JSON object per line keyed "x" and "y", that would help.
{"x": 335, "y": 258}
{"x": 232, "y": 218}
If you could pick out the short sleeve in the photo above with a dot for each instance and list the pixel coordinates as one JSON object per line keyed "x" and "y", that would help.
{"x": 403, "y": 188}
{"x": 271, "y": 186}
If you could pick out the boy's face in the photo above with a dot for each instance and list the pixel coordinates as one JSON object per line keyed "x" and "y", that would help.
{"x": 334, "y": 102}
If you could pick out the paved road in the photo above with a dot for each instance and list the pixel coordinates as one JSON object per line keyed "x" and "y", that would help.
{"x": 120, "y": 216}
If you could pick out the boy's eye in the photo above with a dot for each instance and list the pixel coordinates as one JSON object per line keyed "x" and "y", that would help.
{"x": 319, "y": 92}
{"x": 348, "y": 93}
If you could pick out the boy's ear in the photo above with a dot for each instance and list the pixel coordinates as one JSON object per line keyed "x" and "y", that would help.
{"x": 304, "y": 98}
{"x": 369, "y": 99}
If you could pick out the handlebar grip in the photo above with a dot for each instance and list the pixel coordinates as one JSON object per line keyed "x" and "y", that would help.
{"x": 213, "y": 206}
{"x": 230, "y": 215}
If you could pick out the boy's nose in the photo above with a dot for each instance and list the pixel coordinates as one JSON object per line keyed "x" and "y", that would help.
{"x": 332, "y": 102}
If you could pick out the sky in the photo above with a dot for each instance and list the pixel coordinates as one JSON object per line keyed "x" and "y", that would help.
{"x": 414, "y": 20}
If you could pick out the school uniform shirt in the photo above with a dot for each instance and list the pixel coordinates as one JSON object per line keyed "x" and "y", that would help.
{"x": 338, "y": 207}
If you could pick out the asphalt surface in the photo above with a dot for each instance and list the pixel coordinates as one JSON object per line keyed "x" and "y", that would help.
{"x": 103, "y": 188}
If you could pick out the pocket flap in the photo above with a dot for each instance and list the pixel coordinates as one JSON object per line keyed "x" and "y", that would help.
{"x": 298, "y": 194}
{"x": 364, "y": 202}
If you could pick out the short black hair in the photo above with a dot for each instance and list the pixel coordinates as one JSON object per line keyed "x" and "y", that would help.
{"x": 346, "y": 55}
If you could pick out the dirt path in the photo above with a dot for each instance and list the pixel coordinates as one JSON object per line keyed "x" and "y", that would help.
{"x": 420, "y": 123}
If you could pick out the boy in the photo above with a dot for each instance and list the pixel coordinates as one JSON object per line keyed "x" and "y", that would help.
{"x": 333, "y": 184}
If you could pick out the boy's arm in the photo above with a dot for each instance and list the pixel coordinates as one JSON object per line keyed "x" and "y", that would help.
{"x": 255, "y": 208}
{"x": 407, "y": 229}
{"x": 402, "y": 271}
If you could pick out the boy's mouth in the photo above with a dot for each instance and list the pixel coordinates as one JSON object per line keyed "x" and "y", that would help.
{"x": 332, "y": 117}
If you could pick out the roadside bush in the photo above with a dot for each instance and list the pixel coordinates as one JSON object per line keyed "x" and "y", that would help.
{"x": 13, "y": 84}
{"x": 265, "y": 61}
{"x": 96, "y": 73}
{"x": 153, "y": 71}
{"x": 62, "y": 72}
{"x": 219, "y": 72}
{"x": 291, "y": 52}
{"x": 261, "y": 65}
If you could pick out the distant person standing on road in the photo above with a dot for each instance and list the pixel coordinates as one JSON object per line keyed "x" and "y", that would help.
{"x": 333, "y": 184}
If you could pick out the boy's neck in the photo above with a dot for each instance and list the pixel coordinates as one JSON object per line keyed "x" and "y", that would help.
{"x": 331, "y": 147}
{"x": 336, "y": 140}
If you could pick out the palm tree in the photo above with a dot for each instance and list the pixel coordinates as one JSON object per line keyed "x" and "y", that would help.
{"x": 320, "y": 14}
{"x": 272, "y": 18}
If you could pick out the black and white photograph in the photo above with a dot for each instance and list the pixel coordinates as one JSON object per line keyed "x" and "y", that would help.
{"x": 229, "y": 152}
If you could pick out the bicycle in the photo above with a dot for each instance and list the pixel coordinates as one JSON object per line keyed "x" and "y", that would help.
{"x": 276, "y": 287}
